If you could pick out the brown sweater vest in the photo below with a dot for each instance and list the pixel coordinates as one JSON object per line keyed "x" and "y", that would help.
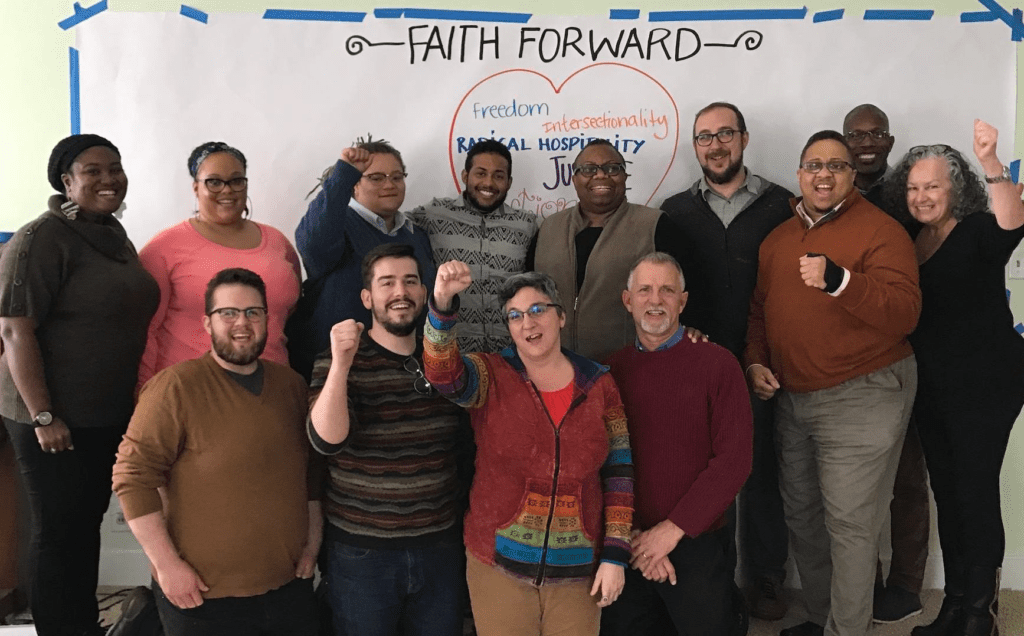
{"x": 596, "y": 323}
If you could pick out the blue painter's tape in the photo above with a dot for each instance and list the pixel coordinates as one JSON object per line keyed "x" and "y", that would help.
{"x": 1007, "y": 295}
{"x": 1015, "y": 24}
{"x": 5, "y": 236}
{"x": 195, "y": 14}
{"x": 82, "y": 14}
{"x": 728, "y": 14}
{"x": 624, "y": 14}
{"x": 828, "y": 16}
{"x": 1020, "y": 328}
{"x": 1018, "y": 18}
{"x": 315, "y": 16}
{"x": 1015, "y": 170}
{"x": 76, "y": 92}
{"x": 467, "y": 16}
{"x": 898, "y": 14}
{"x": 388, "y": 13}
{"x": 978, "y": 16}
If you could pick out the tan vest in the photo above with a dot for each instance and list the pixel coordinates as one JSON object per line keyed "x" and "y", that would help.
{"x": 596, "y": 322}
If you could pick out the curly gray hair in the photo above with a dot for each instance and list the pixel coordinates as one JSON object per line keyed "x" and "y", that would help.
{"x": 969, "y": 194}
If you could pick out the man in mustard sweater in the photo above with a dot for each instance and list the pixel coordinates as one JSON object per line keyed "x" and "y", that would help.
{"x": 837, "y": 294}
{"x": 221, "y": 440}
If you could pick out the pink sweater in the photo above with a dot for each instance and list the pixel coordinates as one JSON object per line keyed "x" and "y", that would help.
{"x": 182, "y": 261}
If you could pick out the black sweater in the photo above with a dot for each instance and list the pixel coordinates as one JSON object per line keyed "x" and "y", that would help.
{"x": 721, "y": 285}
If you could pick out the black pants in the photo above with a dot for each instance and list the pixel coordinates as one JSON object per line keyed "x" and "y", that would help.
{"x": 964, "y": 450}
{"x": 763, "y": 534}
{"x": 701, "y": 602}
{"x": 290, "y": 610}
{"x": 68, "y": 493}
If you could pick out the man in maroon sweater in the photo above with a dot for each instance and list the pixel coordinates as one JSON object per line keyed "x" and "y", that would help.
{"x": 690, "y": 427}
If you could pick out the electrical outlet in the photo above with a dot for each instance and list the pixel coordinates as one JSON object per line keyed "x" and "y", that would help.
{"x": 1015, "y": 268}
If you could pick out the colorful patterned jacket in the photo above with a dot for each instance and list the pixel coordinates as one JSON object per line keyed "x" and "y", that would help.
{"x": 547, "y": 502}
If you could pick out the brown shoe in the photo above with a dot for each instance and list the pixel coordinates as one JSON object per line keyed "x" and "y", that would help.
{"x": 766, "y": 600}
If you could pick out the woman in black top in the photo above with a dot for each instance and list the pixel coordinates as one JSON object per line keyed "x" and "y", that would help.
{"x": 75, "y": 305}
{"x": 970, "y": 361}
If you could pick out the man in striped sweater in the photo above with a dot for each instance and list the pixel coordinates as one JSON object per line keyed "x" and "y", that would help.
{"x": 394, "y": 552}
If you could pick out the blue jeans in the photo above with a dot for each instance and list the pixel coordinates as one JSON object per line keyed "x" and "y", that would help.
{"x": 392, "y": 592}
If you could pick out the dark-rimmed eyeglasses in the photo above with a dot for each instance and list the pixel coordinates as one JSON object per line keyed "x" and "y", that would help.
{"x": 231, "y": 314}
{"x": 421, "y": 384}
{"x": 835, "y": 167}
{"x": 216, "y": 185}
{"x": 378, "y": 178}
{"x": 855, "y": 136}
{"x": 535, "y": 310}
{"x": 590, "y": 169}
{"x": 724, "y": 136}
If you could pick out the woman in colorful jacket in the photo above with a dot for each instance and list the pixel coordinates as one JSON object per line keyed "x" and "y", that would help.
{"x": 551, "y": 506}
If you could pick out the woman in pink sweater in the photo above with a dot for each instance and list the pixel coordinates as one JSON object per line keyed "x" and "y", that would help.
{"x": 184, "y": 257}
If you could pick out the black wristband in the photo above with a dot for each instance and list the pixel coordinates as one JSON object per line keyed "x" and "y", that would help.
{"x": 833, "y": 274}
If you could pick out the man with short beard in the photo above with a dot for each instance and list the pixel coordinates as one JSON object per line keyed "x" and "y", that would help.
{"x": 234, "y": 541}
{"x": 725, "y": 215}
{"x": 394, "y": 552}
{"x": 481, "y": 230}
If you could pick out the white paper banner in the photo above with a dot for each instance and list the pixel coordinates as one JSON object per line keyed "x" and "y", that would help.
{"x": 291, "y": 94}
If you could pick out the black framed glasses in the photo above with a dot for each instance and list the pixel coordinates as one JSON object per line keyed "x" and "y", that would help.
{"x": 724, "y": 136}
{"x": 610, "y": 169}
{"x": 421, "y": 384}
{"x": 216, "y": 185}
{"x": 232, "y": 314}
{"x": 835, "y": 167}
{"x": 535, "y": 310}
{"x": 856, "y": 136}
{"x": 378, "y": 178}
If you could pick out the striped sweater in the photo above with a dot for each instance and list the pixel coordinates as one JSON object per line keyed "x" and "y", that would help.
{"x": 393, "y": 481}
{"x": 548, "y": 502}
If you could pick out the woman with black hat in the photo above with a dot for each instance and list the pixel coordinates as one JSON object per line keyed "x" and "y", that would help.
{"x": 75, "y": 304}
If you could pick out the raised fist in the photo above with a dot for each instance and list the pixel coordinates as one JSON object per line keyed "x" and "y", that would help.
{"x": 452, "y": 278}
{"x": 357, "y": 158}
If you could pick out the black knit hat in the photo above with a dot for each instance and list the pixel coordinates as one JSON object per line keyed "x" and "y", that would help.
{"x": 65, "y": 153}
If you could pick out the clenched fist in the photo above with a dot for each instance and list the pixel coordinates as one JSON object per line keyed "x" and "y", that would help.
{"x": 345, "y": 341}
{"x": 357, "y": 158}
{"x": 452, "y": 278}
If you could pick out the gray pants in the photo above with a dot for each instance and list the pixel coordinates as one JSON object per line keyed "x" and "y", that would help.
{"x": 838, "y": 452}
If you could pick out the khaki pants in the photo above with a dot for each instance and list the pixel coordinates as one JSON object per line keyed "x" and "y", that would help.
{"x": 838, "y": 451}
{"x": 504, "y": 606}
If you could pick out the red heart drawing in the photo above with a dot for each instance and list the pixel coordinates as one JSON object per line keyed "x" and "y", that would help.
{"x": 545, "y": 127}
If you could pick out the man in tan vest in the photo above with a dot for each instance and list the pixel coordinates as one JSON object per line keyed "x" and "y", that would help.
{"x": 588, "y": 250}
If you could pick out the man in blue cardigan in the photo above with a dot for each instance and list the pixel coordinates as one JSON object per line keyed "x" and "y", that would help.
{"x": 356, "y": 210}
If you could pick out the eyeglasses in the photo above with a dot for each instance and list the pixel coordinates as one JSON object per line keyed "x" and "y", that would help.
{"x": 535, "y": 310}
{"x": 590, "y": 169}
{"x": 859, "y": 135}
{"x": 835, "y": 167}
{"x": 216, "y": 185}
{"x": 232, "y": 314}
{"x": 724, "y": 136}
{"x": 412, "y": 365}
{"x": 379, "y": 177}
{"x": 935, "y": 148}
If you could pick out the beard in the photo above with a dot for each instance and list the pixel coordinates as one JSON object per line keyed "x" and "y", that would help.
{"x": 726, "y": 175}
{"x": 227, "y": 351}
{"x": 489, "y": 208}
{"x": 399, "y": 328}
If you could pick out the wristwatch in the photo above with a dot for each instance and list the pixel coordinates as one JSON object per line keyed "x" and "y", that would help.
{"x": 44, "y": 418}
{"x": 1003, "y": 177}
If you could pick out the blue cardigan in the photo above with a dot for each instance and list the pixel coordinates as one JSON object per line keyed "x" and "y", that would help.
{"x": 332, "y": 240}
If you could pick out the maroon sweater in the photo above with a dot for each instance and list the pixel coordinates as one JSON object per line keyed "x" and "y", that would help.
{"x": 691, "y": 431}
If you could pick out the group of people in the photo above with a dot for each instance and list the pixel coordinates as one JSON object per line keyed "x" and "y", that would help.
{"x": 483, "y": 404}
